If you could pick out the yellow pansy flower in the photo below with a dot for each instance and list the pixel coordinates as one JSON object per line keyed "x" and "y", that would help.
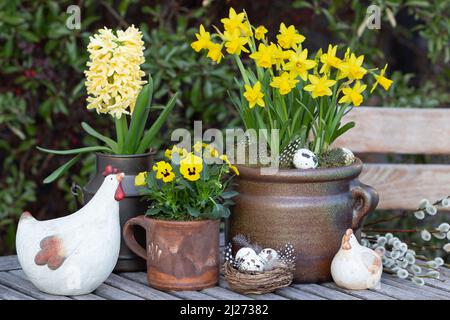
{"x": 254, "y": 95}
{"x": 353, "y": 95}
{"x": 181, "y": 152}
{"x": 319, "y": 86}
{"x": 289, "y": 37}
{"x": 382, "y": 80}
{"x": 234, "y": 21}
{"x": 203, "y": 40}
{"x": 329, "y": 59}
{"x": 264, "y": 57}
{"x": 213, "y": 152}
{"x": 164, "y": 171}
{"x": 260, "y": 32}
{"x": 352, "y": 68}
{"x": 234, "y": 42}
{"x": 298, "y": 64}
{"x": 225, "y": 159}
{"x": 139, "y": 180}
{"x": 285, "y": 83}
{"x": 215, "y": 52}
{"x": 191, "y": 167}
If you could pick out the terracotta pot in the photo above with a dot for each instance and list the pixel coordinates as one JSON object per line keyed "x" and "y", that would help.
{"x": 309, "y": 208}
{"x": 131, "y": 206}
{"x": 180, "y": 255}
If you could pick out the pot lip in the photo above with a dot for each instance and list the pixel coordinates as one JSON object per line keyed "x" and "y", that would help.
{"x": 303, "y": 175}
{"x": 182, "y": 223}
{"x": 152, "y": 152}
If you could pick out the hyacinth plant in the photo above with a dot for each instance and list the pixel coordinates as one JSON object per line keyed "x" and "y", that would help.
{"x": 115, "y": 87}
{"x": 189, "y": 185}
{"x": 303, "y": 96}
{"x": 406, "y": 259}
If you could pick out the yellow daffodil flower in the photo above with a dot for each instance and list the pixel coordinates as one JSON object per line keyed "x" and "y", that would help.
{"x": 234, "y": 42}
{"x": 264, "y": 57}
{"x": 329, "y": 59}
{"x": 289, "y": 37}
{"x": 285, "y": 83}
{"x": 319, "y": 86}
{"x": 139, "y": 180}
{"x": 353, "y": 95}
{"x": 382, "y": 80}
{"x": 215, "y": 52}
{"x": 234, "y": 21}
{"x": 260, "y": 32}
{"x": 191, "y": 167}
{"x": 254, "y": 95}
{"x": 203, "y": 40}
{"x": 280, "y": 55}
{"x": 164, "y": 171}
{"x": 298, "y": 64}
{"x": 352, "y": 68}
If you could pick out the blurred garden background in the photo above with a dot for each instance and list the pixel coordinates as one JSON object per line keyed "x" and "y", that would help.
{"x": 43, "y": 98}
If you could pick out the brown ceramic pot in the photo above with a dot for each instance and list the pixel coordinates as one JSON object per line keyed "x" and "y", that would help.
{"x": 309, "y": 208}
{"x": 180, "y": 255}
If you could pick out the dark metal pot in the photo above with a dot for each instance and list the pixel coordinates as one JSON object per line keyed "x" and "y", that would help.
{"x": 131, "y": 206}
{"x": 309, "y": 208}
{"x": 180, "y": 255}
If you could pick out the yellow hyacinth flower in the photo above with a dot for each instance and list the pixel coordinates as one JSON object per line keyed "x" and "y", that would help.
{"x": 234, "y": 42}
{"x": 254, "y": 95}
{"x": 329, "y": 59}
{"x": 298, "y": 64}
{"x": 382, "y": 80}
{"x": 139, "y": 180}
{"x": 353, "y": 95}
{"x": 191, "y": 167}
{"x": 352, "y": 68}
{"x": 215, "y": 52}
{"x": 289, "y": 37}
{"x": 113, "y": 80}
{"x": 203, "y": 40}
{"x": 319, "y": 86}
{"x": 285, "y": 83}
{"x": 264, "y": 57}
{"x": 260, "y": 32}
{"x": 164, "y": 171}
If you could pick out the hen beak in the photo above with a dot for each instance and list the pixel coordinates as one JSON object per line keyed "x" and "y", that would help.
{"x": 120, "y": 176}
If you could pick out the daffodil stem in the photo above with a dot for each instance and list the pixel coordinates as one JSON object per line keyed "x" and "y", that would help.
{"x": 242, "y": 69}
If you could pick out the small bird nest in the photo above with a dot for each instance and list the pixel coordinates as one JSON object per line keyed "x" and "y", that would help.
{"x": 258, "y": 282}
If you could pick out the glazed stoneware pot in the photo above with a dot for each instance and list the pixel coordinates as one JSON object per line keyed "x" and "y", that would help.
{"x": 180, "y": 255}
{"x": 311, "y": 209}
{"x": 131, "y": 206}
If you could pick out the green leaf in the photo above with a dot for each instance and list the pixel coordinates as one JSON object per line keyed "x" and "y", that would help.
{"x": 193, "y": 212}
{"x": 74, "y": 151}
{"x": 342, "y": 130}
{"x": 91, "y": 131}
{"x": 229, "y": 194}
{"x": 61, "y": 170}
{"x": 152, "y": 211}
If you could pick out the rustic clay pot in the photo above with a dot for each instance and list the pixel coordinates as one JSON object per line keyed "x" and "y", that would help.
{"x": 311, "y": 209}
{"x": 180, "y": 255}
{"x": 131, "y": 206}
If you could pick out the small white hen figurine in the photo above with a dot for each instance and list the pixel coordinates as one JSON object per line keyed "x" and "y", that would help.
{"x": 75, "y": 254}
{"x": 356, "y": 267}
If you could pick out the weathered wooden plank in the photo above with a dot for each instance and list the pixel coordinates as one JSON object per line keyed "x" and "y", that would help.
{"x": 324, "y": 292}
{"x": 402, "y": 186}
{"x": 8, "y": 263}
{"x": 399, "y": 293}
{"x": 10, "y": 294}
{"x": 363, "y": 294}
{"x": 140, "y": 289}
{"x": 438, "y": 284}
{"x": 432, "y": 293}
{"x": 268, "y": 296}
{"x": 224, "y": 294}
{"x": 398, "y": 130}
{"x": 295, "y": 294}
{"x": 110, "y": 293}
{"x": 12, "y": 280}
{"x": 90, "y": 296}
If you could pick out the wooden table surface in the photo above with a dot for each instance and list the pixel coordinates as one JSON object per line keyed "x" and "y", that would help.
{"x": 133, "y": 286}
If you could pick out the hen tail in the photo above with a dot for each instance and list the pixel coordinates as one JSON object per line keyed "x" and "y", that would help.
{"x": 26, "y": 217}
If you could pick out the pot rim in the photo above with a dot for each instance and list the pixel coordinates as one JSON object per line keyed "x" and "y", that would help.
{"x": 302, "y": 175}
{"x": 182, "y": 223}
{"x": 152, "y": 152}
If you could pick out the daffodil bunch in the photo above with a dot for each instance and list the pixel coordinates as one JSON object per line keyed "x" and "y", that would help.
{"x": 284, "y": 87}
{"x": 114, "y": 85}
{"x": 189, "y": 185}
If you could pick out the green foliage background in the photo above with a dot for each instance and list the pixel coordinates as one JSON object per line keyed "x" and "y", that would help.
{"x": 42, "y": 96}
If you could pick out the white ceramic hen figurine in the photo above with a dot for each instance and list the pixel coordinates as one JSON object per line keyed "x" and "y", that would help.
{"x": 356, "y": 267}
{"x": 74, "y": 254}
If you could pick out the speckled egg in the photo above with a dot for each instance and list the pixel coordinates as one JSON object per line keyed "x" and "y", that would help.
{"x": 268, "y": 255}
{"x": 251, "y": 263}
{"x": 305, "y": 159}
{"x": 349, "y": 156}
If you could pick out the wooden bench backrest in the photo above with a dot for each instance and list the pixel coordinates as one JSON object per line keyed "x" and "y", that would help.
{"x": 402, "y": 131}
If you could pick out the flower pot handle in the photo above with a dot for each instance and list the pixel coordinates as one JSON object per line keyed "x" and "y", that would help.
{"x": 365, "y": 199}
{"x": 128, "y": 235}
